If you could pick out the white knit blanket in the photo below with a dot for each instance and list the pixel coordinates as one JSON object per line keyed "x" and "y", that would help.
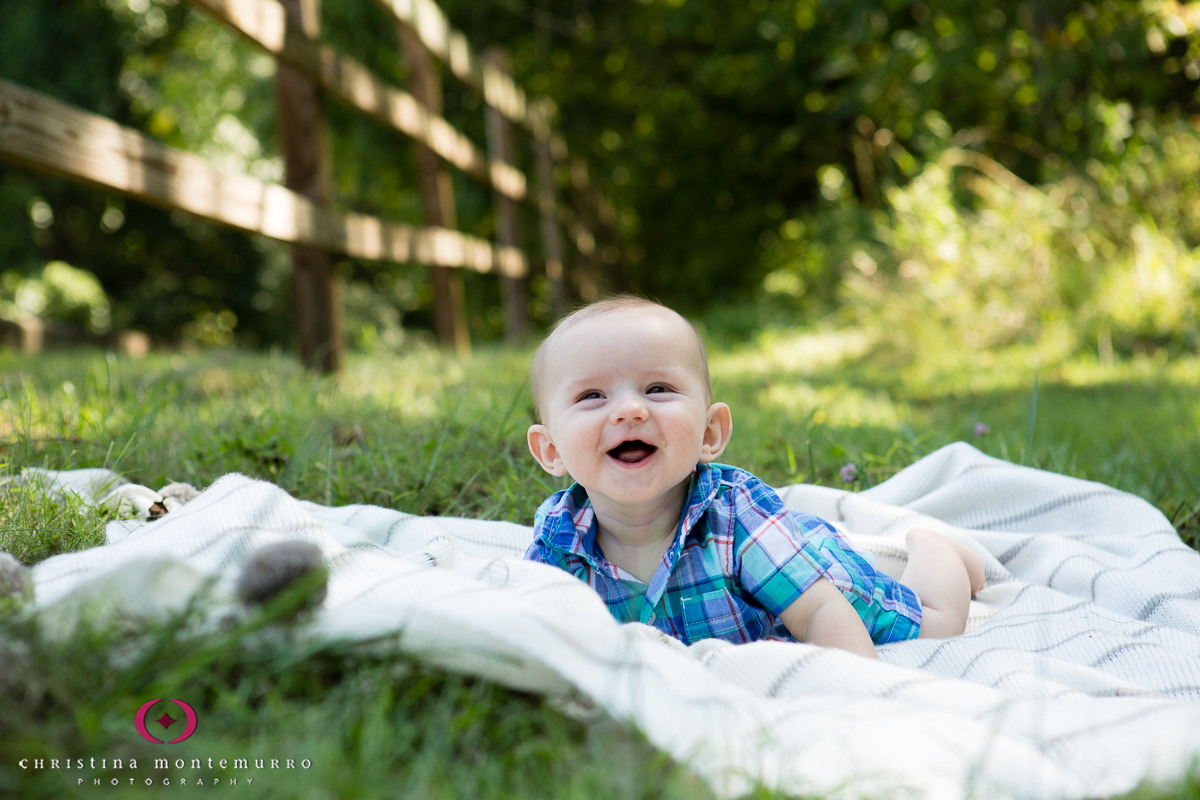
{"x": 1078, "y": 676}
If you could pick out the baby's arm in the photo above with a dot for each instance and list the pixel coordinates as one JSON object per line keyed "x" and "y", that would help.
{"x": 823, "y": 616}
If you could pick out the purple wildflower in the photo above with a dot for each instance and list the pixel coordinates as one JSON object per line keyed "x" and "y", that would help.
{"x": 982, "y": 429}
{"x": 849, "y": 473}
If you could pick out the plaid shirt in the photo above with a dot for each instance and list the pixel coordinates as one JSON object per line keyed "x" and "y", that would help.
{"x": 739, "y": 558}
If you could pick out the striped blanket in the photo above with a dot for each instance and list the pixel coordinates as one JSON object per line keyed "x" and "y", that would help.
{"x": 1078, "y": 675}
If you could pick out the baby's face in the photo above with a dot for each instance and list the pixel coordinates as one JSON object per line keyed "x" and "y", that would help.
{"x": 626, "y": 412}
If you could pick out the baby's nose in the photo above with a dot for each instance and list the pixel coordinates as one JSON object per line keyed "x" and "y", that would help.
{"x": 629, "y": 408}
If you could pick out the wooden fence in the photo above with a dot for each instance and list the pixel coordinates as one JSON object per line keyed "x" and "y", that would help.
{"x": 43, "y": 133}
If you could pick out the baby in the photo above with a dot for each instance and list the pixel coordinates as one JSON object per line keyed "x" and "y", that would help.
{"x": 670, "y": 537}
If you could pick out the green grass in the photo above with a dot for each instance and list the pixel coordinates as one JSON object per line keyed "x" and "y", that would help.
{"x": 440, "y": 436}
{"x": 354, "y": 724}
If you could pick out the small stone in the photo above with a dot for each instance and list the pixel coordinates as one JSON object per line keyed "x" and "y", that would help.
{"x": 15, "y": 585}
{"x": 271, "y": 570}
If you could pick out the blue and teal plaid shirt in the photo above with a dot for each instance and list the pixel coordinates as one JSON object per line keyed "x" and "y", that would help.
{"x": 739, "y": 558}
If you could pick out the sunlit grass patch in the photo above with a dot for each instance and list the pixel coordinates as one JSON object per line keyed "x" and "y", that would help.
{"x": 35, "y": 525}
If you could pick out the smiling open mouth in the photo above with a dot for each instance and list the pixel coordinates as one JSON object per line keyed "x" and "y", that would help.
{"x": 632, "y": 452}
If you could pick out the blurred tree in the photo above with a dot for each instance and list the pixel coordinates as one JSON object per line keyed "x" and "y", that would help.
{"x": 160, "y": 68}
{"x": 710, "y": 123}
{"x": 713, "y": 129}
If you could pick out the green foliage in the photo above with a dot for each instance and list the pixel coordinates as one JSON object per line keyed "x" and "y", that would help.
{"x": 710, "y": 126}
{"x": 36, "y": 527}
{"x": 967, "y": 251}
{"x": 60, "y": 292}
{"x": 181, "y": 78}
{"x": 711, "y": 130}
{"x": 203, "y": 89}
{"x": 33, "y": 41}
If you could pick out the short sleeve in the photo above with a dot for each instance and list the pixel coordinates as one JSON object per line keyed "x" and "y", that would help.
{"x": 775, "y": 560}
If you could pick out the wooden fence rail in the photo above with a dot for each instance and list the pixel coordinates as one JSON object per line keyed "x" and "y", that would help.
{"x": 46, "y": 134}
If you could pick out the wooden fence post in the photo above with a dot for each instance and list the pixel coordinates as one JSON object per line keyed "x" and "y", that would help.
{"x": 437, "y": 198}
{"x": 550, "y": 149}
{"x": 501, "y": 148}
{"x": 304, "y": 140}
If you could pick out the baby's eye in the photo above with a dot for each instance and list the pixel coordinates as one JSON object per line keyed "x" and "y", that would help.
{"x": 657, "y": 388}
{"x": 592, "y": 395}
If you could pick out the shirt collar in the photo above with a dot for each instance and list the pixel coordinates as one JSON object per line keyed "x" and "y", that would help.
{"x": 568, "y": 520}
{"x": 568, "y": 523}
{"x": 706, "y": 482}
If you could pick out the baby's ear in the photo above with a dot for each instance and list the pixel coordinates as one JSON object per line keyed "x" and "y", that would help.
{"x": 541, "y": 446}
{"x": 717, "y": 432}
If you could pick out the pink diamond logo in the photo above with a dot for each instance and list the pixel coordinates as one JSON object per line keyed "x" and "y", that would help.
{"x": 142, "y": 718}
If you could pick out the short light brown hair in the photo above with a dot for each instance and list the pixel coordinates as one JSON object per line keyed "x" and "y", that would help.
{"x": 539, "y": 370}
